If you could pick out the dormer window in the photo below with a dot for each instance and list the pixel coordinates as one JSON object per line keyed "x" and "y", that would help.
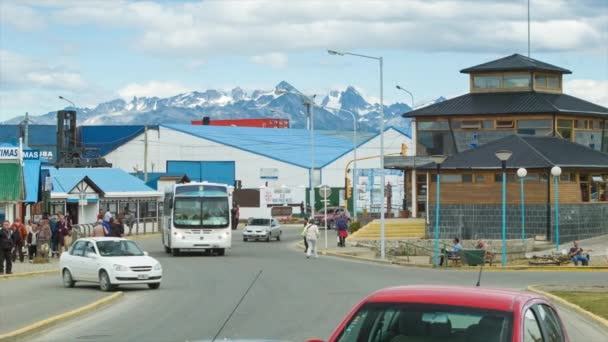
{"x": 486, "y": 82}
{"x": 502, "y": 81}
{"x": 547, "y": 81}
{"x": 517, "y": 81}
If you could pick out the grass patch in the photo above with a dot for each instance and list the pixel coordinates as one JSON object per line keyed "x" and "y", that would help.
{"x": 596, "y": 302}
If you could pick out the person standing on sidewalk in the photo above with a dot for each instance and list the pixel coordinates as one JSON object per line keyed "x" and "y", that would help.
{"x": 312, "y": 235}
{"x": 44, "y": 238}
{"x": 32, "y": 240}
{"x": 6, "y": 246}
{"x": 303, "y": 234}
{"x": 20, "y": 238}
{"x": 98, "y": 230}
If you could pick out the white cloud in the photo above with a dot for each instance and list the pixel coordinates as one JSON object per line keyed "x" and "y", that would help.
{"x": 250, "y": 27}
{"x": 273, "y": 59}
{"x": 151, "y": 89}
{"x": 595, "y": 91}
{"x": 22, "y": 18}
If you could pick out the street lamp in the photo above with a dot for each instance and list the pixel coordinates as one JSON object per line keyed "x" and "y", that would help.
{"x": 503, "y": 156}
{"x": 438, "y": 160}
{"x": 522, "y": 173}
{"x": 355, "y": 158}
{"x": 407, "y": 91}
{"x": 311, "y": 103}
{"x": 382, "y": 199}
{"x": 556, "y": 171}
{"x": 64, "y": 99}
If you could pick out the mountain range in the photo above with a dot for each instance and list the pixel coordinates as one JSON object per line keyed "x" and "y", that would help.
{"x": 238, "y": 104}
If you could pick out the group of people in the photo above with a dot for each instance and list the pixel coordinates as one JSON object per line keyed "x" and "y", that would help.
{"x": 107, "y": 225}
{"x": 48, "y": 237}
{"x": 310, "y": 233}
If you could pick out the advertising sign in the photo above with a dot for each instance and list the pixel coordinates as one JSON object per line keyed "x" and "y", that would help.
{"x": 9, "y": 153}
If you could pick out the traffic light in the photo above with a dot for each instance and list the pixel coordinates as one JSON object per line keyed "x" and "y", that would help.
{"x": 348, "y": 187}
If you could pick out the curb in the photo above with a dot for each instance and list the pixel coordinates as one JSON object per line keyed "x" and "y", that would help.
{"x": 33, "y": 328}
{"x": 142, "y": 236}
{"x": 29, "y": 274}
{"x": 590, "y": 315}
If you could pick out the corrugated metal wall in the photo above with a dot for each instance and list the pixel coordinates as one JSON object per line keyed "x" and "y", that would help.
{"x": 210, "y": 171}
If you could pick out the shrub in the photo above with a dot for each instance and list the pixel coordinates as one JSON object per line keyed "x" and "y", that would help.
{"x": 354, "y": 226}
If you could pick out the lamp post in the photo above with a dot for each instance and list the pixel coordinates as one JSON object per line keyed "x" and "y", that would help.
{"x": 522, "y": 173}
{"x": 438, "y": 160}
{"x": 556, "y": 171}
{"x": 503, "y": 156}
{"x": 355, "y": 158}
{"x": 311, "y": 104}
{"x": 66, "y": 100}
{"x": 382, "y": 200}
{"x": 407, "y": 91}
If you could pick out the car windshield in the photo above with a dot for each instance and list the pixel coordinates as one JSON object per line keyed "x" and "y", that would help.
{"x": 259, "y": 222}
{"x": 426, "y": 322}
{"x": 329, "y": 211}
{"x": 118, "y": 248}
{"x": 196, "y": 212}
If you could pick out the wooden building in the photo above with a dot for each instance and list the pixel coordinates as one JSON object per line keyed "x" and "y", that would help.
{"x": 511, "y": 95}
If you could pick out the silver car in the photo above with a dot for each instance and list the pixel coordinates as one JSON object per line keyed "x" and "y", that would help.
{"x": 262, "y": 229}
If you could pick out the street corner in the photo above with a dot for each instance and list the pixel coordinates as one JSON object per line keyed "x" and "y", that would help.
{"x": 37, "y": 327}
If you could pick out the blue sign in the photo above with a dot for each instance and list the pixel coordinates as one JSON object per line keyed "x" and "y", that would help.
{"x": 31, "y": 155}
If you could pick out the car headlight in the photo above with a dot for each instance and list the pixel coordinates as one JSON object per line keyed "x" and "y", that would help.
{"x": 158, "y": 267}
{"x": 120, "y": 268}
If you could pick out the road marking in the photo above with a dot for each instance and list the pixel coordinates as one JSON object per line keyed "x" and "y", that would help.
{"x": 600, "y": 320}
{"x": 33, "y": 328}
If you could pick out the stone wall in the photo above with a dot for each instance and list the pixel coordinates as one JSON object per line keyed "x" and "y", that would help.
{"x": 484, "y": 221}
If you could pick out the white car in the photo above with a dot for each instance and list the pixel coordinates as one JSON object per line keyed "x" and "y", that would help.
{"x": 110, "y": 262}
{"x": 262, "y": 229}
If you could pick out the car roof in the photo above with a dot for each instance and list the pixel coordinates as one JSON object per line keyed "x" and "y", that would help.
{"x": 104, "y": 238}
{"x": 477, "y": 297}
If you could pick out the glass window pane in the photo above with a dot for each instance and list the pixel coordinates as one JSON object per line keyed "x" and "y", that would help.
{"x": 467, "y": 178}
{"x": 549, "y": 320}
{"x": 488, "y": 124}
{"x": 470, "y": 124}
{"x": 436, "y": 125}
{"x": 480, "y": 178}
{"x": 451, "y": 178}
{"x": 544, "y": 178}
{"x": 553, "y": 82}
{"x": 531, "y": 328}
{"x": 486, "y": 82}
{"x": 540, "y": 81}
{"x": 504, "y": 123}
{"x": 564, "y": 123}
{"x": 516, "y": 81}
{"x": 534, "y": 123}
{"x": 581, "y": 124}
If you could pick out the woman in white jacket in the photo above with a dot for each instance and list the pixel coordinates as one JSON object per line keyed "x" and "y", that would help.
{"x": 312, "y": 234}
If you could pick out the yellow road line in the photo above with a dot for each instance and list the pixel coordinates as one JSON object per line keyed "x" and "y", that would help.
{"x": 46, "y": 323}
{"x": 29, "y": 274}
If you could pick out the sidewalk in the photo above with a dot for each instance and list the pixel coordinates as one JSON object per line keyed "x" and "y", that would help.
{"x": 27, "y": 267}
{"x": 598, "y": 246}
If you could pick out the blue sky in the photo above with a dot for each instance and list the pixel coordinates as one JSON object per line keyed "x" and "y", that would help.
{"x": 94, "y": 51}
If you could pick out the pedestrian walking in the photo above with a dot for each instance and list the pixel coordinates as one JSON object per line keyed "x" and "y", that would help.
{"x": 342, "y": 228}
{"x": 20, "y": 236}
{"x": 107, "y": 216}
{"x": 62, "y": 234}
{"x": 118, "y": 229}
{"x": 54, "y": 242}
{"x": 303, "y": 234}
{"x": 312, "y": 235}
{"x": 235, "y": 211}
{"x": 6, "y": 246}
{"x": 44, "y": 238}
{"x": 32, "y": 240}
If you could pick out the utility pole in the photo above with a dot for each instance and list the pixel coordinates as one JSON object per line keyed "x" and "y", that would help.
{"x": 146, "y": 153}
{"x": 26, "y": 130}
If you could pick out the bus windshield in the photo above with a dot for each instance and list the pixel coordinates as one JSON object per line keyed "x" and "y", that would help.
{"x": 197, "y": 212}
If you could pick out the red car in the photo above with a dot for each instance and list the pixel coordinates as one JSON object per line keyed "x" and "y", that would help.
{"x": 332, "y": 215}
{"x": 446, "y": 314}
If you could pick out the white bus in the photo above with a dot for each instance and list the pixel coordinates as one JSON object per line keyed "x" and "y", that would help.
{"x": 197, "y": 218}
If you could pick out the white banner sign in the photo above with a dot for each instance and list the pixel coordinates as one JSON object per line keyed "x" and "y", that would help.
{"x": 9, "y": 153}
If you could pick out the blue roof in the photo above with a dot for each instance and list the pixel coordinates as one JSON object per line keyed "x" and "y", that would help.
{"x": 105, "y": 139}
{"x": 31, "y": 177}
{"x": 287, "y": 145}
{"x": 107, "y": 179}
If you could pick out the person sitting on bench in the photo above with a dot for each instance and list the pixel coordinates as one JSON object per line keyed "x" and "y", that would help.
{"x": 482, "y": 244}
{"x": 453, "y": 253}
{"x": 576, "y": 254}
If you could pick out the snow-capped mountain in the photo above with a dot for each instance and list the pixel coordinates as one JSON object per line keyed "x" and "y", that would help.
{"x": 236, "y": 104}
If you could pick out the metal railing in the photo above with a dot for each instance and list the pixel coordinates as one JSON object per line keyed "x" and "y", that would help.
{"x": 146, "y": 225}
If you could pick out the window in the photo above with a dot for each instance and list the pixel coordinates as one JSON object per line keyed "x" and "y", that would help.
{"x": 480, "y": 179}
{"x": 531, "y": 328}
{"x": 467, "y": 178}
{"x": 552, "y": 82}
{"x": 434, "y": 125}
{"x": 580, "y": 124}
{"x": 112, "y": 248}
{"x": 488, "y": 124}
{"x": 511, "y": 177}
{"x": 516, "y": 81}
{"x": 504, "y": 124}
{"x": 486, "y": 82}
{"x": 451, "y": 178}
{"x": 567, "y": 177}
{"x": 540, "y": 81}
{"x": 470, "y": 124}
{"x": 564, "y": 128}
{"x": 548, "y": 318}
{"x": 530, "y": 178}
{"x": 89, "y": 248}
{"x": 544, "y": 178}
{"x": 77, "y": 249}
{"x": 534, "y": 124}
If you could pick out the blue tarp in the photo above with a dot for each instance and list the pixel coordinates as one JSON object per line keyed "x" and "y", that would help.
{"x": 31, "y": 178}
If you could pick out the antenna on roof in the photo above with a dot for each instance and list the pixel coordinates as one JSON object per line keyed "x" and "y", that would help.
{"x": 528, "y": 28}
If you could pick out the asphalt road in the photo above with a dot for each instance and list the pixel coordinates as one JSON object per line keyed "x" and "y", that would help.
{"x": 294, "y": 299}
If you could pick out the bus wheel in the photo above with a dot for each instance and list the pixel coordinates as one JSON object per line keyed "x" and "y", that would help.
{"x": 221, "y": 251}
{"x": 175, "y": 251}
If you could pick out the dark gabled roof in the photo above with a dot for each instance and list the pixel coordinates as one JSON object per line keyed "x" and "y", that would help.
{"x": 533, "y": 152}
{"x": 529, "y": 102}
{"x": 515, "y": 62}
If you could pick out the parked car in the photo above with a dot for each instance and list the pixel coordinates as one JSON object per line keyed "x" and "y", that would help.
{"x": 444, "y": 313}
{"x": 332, "y": 215}
{"x": 110, "y": 262}
{"x": 262, "y": 229}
